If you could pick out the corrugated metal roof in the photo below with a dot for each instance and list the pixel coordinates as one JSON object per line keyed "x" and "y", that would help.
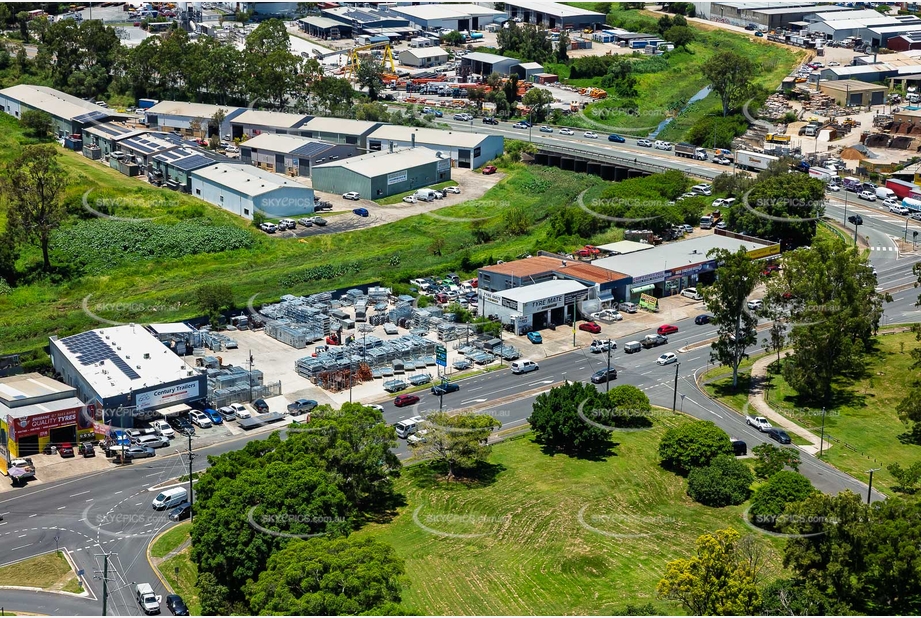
{"x": 434, "y": 138}
{"x": 379, "y": 163}
{"x": 542, "y": 290}
{"x": 191, "y": 110}
{"x": 287, "y": 144}
{"x": 341, "y": 126}
{"x": 487, "y": 58}
{"x": 556, "y": 9}
{"x": 245, "y": 179}
{"x": 425, "y": 52}
{"x": 55, "y": 102}
{"x": 270, "y": 119}
{"x": 445, "y": 11}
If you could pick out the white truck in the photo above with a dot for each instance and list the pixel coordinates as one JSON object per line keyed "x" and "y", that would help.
{"x": 753, "y": 161}
{"x": 690, "y": 151}
{"x": 823, "y": 173}
{"x": 758, "y": 422}
{"x": 148, "y": 601}
{"x": 409, "y": 426}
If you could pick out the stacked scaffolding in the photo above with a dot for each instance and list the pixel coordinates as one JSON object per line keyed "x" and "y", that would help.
{"x": 295, "y": 335}
{"x": 236, "y": 385}
{"x": 217, "y": 341}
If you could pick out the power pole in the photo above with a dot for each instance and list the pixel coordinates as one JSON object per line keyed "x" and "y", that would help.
{"x": 822, "y": 438}
{"x": 250, "y": 375}
{"x": 191, "y": 457}
{"x": 105, "y": 582}
{"x": 607, "y": 377}
{"x": 870, "y": 486}
{"x": 675, "y": 398}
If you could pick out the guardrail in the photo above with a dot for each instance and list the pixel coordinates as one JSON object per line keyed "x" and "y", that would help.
{"x": 622, "y": 161}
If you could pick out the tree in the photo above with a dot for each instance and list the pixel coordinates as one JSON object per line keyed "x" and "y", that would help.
{"x": 511, "y": 90}
{"x": 727, "y": 300}
{"x": 516, "y": 220}
{"x": 562, "y": 48}
{"x": 693, "y": 444}
{"x": 629, "y": 407}
{"x": 793, "y": 597}
{"x": 453, "y": 38}
{"x": 271, "y": 66}
{"x": 681, "y": 36}
{"x": 539, "y": 100}
{"x": 571, "y": 419}
{"x": 785, "y": 208}
{"x": 477, "y": 95}
{"x": 334, "y": 94}
{"x": 829, "y": 293}
{"x": 664, "y": 23}
{"x": 717, "y": 581}
{"x": 323, "y": 577}
{"x": 196, "y": 125}
{"x": 724, "y": 482}
{"x": 33, "y": 184}
{"x": 772, "y": 459}
{"x": 438, "y": 245}
{"x": 216, "y": 121}
{"x": 9, "y": 253}
{"x": 907, "y": 477}
{"x": 730, "y": 76}
{"x": 370, "y": 76}
{"x": 457, "y": 440}
{"x": 38, "y": 123}
{"x": 771, "y": 499}
{"x": 212, "y": 299}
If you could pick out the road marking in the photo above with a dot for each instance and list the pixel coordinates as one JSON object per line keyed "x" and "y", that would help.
{"x": 139, "y": 504}
{"x": 539, "y": 383}
{"x": 34, "y": 515}
{"x": 61, "y": 507}
{"x": 20, "y": 547}
{"x": 474, "y": 401}
{"x": 22, "y": 535}
{"x": 154, "y": 474}
{"x": 476, "y": 389}
{"x": 79, "y": 494}
{"x": 91, "y": 499}
{"x": 117, "y": 492}
{"x": 3, "y": 523}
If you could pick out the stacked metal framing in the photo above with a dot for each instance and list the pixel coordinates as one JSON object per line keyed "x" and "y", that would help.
{"x": 237, "y": 385}
{"x": 217, "y": 341}
{"x": 295, "y": 335}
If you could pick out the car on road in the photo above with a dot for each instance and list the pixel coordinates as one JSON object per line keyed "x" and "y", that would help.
{"x": 755, "y": 305}
{"x": 240, "y": 410}
{"x": 361, "y": 212}
{"x": 520, "y": 125}
{"x": 779, "y": 435}
{"x": 666, "y": 329}
{"x": 490, "y": 120}
{"x": 352, "y": 195}
{"x": 590, "y": 135}
{"x": 444, "y": 388}
{"x": 454, "y": 190}
{"x": 534, "y": 337}
{"x": 410, "y": 199}
{"x": 261, "y": 406}
{"x": 546, "y": 129}
{"x": 464, "y": 117}
{"x": 215, "y": 416}
{"x": 302, "y": 406}
{"x": 87, "y": 449}
{"x": 602, "y": 345}
{"x": 832, "y": 187}
{"x": 178, "y": 514}
{"x": 567, "y": 131}
{"x": 722, "y": 160}
{"x": 703, "y": 318}
{"x": 758, "y": 422}
{"x": 614, "y": 137}
{"x": 870, "y": 196}
{"x": 590, "y": 327}
{"x": 916, "y": 216}
{"x": 490, "y": 169}
{"x": 405, "y": 400}
{"x": 899, "y": 210}
{"x": 182, "y": 425}
{"x": 645, "y": 143}
{"x": 604, "y": 375}
{"x": 176, "y": 605}
{"x": 661, "y": 145}
{"x": 891, "y": 201}
{"x": 691, "y": 293}
{"x": 200, "y": 419}
{"x": 375, "y": 406}
{"x": 667, "y": 359}
{"x": 524, "y": 366}
{"x": 139, "y": 452}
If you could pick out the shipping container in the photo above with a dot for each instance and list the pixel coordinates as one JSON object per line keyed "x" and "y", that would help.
{"x": 911, "y": 204}
{"x": 146, "y": 103}
{"x": 902, "y": 188}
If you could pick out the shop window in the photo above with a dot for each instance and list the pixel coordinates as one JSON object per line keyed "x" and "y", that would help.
{"x": 197, "y": 191}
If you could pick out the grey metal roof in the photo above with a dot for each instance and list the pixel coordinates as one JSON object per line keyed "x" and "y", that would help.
{"x": 488, "y": 58}
{"x": 673, "y": 255}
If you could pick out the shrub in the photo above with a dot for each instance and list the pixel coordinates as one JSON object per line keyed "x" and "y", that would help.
{"x": 772, "y": 498}
{"x": 724, "y": 482}
{"x": 693, "y": 445}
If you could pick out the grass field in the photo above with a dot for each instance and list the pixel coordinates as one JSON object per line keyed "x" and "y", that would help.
{"x": 551, "y": 535}
{"x": 170, "y": 540}
{"x": 184, "y": 583}
{"x": 49, "y": 571}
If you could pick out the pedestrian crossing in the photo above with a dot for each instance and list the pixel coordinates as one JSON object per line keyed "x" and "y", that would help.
{"x": 882, "y": 249}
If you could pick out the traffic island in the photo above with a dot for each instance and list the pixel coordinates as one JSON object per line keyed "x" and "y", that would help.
{"x": 170, "y": 556}
{"x": 49, "y": 572}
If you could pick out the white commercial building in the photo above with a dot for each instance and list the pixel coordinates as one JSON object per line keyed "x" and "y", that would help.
{"x": 449, "y": 16}
{"x": 534, "y": 306}
{"x": 464, "y": 148}
{"x": 244, "y": 189}
{"x": 423, "y": 57}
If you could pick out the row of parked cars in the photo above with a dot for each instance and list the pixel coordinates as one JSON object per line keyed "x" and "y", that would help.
{"x": 290, "y": 224}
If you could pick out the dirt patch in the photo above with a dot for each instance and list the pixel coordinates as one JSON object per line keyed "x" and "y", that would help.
{"x": 852, "y": 154}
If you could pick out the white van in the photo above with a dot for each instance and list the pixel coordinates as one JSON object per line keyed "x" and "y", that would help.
{"x": 148, "y": 601}
{"x": 168, "y": 498}
{"x": 426, "y": 195}
{"x": 632, "y": 346}
{"x": 883, "y": 193}
{"x": 524, "y": 366}
{"x": 408, "y": 427}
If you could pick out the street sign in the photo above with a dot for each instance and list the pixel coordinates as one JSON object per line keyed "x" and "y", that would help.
{"x": 441, "y": 356}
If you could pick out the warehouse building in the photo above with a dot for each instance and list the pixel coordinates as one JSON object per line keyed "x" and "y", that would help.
{"x": 173, "y": 169}
{"x": 378, "y": 175}
{"x": 449, "y": 16}
{"x": 324, "y": 28}
{"x": 534, "y": 307}
{"x": 480, "y": 63}
{"x": 244, "y": 189}
{"x": 179, "y": 116}
{"x": 422, "y": 57}
{"x": 125, "y": 373}
{"x": 528, "y": 71}
{"x": 554, "y": 15}
{"x": 69, "y": 115}
{"x": 905, "y": 42}
{"x": 107, "y": 136}
{"x": 366, "y": 20}
{"x": 775, "y": 16}
{"x": 142, "y": 148}
{"x": 849, "y": 92}
{"x": 339, "y": 130}
{"x": 37, "y": 411}
{"x": 466, "y": 150}
{"x": 291, "y": 155}
{"x": 254, "y": 122}
{"x": 881, "y": 36}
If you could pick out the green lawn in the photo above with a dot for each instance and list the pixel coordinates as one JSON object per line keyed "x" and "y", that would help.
{"x": 183, "y": 581}
{"x": 170, "y": 540}
{"x": 49, "y": 571}
{"x": 541, "y": 535}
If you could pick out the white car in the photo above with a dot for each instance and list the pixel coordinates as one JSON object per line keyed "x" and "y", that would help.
{"x": 722, "y": 161}
{"x": 566, "y": 131}
{"x": 702, "y": 189}
{"x": 899, "y": 210}
{"x": 915, "y": 216}
{"x": 201, "y": 419}
{"x": 410, "y": 199}
{"x": 232, "y": 149}
{"x": 867, "y": 195}
{"x": 833, "y": 188}
{"x": 691, "y": 293}
{"x": 755, "y": 305}
{"x": 163, "y": 428}
{"x": 240, "y": 411}
{"x": 455, "y": 190}
{"x": 352, "y": 195}
{"x": 590, "y": 135}
{"x": 645, "y": 143}
{"x": 607, "y": 314}
{"x": 374, "y": 406}
{"x": 660, "y": 145}
{"x": 834, "y": 64}
{"x": 667, "y": 359}
{"x": 546, "y": 129}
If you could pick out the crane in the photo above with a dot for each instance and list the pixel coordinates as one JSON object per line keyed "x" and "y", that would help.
{"x": 354, "y": 59}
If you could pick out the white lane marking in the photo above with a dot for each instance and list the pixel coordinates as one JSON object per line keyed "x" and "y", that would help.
{"x": 33, "y": 515}
{"x": 79, "y": 494}
{"x": 61, "y": 507}
{"x": 20, "y": 547}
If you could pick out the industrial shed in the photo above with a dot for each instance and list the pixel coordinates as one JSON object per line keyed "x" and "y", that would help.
{"x": 253, "y": 122}
{"x": 467, "y": 150}
{"x": 378, "y": 175}
{"x": 364, "y": 19}
{"x": 449, "y": 16}
{"x": 324, "y": 28}
{"x": 108, "y": 135}
{"x": 179, "y": 116}
{"x": 339, "y": 130}
{"x": 851, "y": 92}
{"x": 174, "y": 168}
{"x": 554, "y": 14}
{"x": 291, "y": 154}
{"x": 480, "y": 63}
{"x": 69, "y": 114}
{"x": 423, "y": 57}
{"x": 528, "y": 70}
{"x": 244, "y": 189}
{"x": 144, "y": 147}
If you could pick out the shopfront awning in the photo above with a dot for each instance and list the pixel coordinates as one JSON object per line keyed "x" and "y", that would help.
{"x": 606, "y": 295}
{"x": 643, "y": 288}
{"x": 175, "y": 410}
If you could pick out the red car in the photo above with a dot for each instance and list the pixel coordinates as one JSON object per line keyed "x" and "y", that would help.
{"x": 667, "y": 329}
{"x": 66, "y": 450}
{"x": 590, "y": 327}
{"x": 405, "y": 400}
{"x": 769, "y": 269}
{"x": 588, "y": 251}
{"x": 490, "y": 169}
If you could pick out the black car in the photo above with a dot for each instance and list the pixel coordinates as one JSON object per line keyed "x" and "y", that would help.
{"x": 180, "y": 512}
{"x": 490, "y": 120}
{"x": 604, "y": 375}
{"x": 182, "y": 425}
{"x": 856, "y": 219}
{"x": 739, "y": 448}
{"x": 703, "y": 319}
{"x": 261, "y": 406}
{"x": 444, "y": 388}
{"x": 779, "y": 435}
{"x": 176, "y": 605}
{"x": 87, "y": 449}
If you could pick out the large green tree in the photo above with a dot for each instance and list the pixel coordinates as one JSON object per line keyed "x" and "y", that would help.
{"x": 33, "y": 184}
{"x": 370, "y": 76}
{"x": 772, "y": 498}
{"x": 717, "y": 581}
{"x": 329, "y": 577}
{"x": 724, "y": 482}
{"x": 571, "y": 419}
{"x": 38, "y": 123}
{"x": 784, "y": 208}
{"x": 457, "y": 440}
{"x": 680, "y": 36}
{"x": 730, "y": 76}
{"x": 772, "y": 459}
{"x": 271, "y": 66}
{"x": 539, "y": 100}
{"x": 693, "y": 444}
{"x": 727, "y": 300}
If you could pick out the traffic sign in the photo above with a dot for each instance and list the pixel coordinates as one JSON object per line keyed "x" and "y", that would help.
{"x": 441, "y": 356}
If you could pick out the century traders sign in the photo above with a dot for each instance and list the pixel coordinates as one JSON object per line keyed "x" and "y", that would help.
{"x": 168, "y": 394}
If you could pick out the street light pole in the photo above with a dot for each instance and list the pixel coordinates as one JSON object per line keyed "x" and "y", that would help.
{"x": 855, "y": 231}
{"x": 845, "y": 206}
{"x": 607, "y": 377}
{"x": 870, "y": 486}
{"x": 822, "y": 438}
{"x": 675, "y": 398}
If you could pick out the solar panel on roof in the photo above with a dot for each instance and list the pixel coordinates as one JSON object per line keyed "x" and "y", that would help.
{"x": 90, "y": 348}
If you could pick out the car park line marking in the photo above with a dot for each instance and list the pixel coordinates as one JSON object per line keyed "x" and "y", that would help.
{"x": 3, "y": 523}
{"x": 79, "y": 494}
{"x": 91, "y": 499}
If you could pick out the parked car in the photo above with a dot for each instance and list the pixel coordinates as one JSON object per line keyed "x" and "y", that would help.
{"x": 306, "y": 221}
{"x": 590, "y": 135}
{"x": 227, "y": 413}
{"x": 153, "y": 441}
{"x": 779, "y": 435}
{"x": 614, "y": 137}
{"x": 535, "y": 337}
{"x": 567, "y": 131}
{"x": 352, "y": 195}
{"x": 546, "y": 129}
{"x": 667, "y": 359}
{"x": 261, "y": 406}
{"x": 755, "y": 305}
{"x": 703, "y": 319}
{"x": 268, "y": 228}
{"x": 87, "y": 449}
{"x": 288, "y": 223}
{"x": 139, "y": 452}
{"x": 645, "y": 143}
{"x": 66, "y": 450}
{"x": 454, "y": 190}
{"x": 666, "y": 329}
{"x": 490, "y": 169}
{"x": 590, "y": 327}
{"x": 410, "y": 199}
{"x": 691, "y": 293}
{"x": 178, "y": 514}
{"x": 702, "y": 189}
{"x": 200, "y": 419}
{"x": 405, "y": 400}
{"x": 302, "y": 406}
{"x": 607, "y": 314}
{"x": 604, "y": 375}
{"x": 361, "y": 212}
{"x": 240, "y": 410}
{"x": 870, "y": 196}
{"x": 182, "y": 425}
{"x": 444, "y": 388}
{"x": 214, "y": 416}
{"x": 627, "y": 307}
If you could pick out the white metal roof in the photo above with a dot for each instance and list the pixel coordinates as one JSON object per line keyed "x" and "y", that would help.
{"x": 488, "y": 58}
{"x": 279, "y": 142}
{"x": 384, "y": 162}
{"x": 434, "y": 138}
{"x": 445, "y": 11}
{"x": 556, "y": 9}
{"x": 426, "y": 52}
{"x": 542, "y": 290}
{"x": 624, "y": 247}
{"x": 342, "y": 126}
{"x": 172, "y": 328}
{"x": 245, "y": 179}
{"x": 191, "y": 110}
{"x": 531, "y": 65}
{"x": 54, "y": 102}
{"x": 673, "y": 255}
{"x": 25, "y": 388}
{"x": 269, "y": 119}
{"x": 831, "y": 15}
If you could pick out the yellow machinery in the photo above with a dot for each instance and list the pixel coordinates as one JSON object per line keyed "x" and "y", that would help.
{"x": 354, "y": 58}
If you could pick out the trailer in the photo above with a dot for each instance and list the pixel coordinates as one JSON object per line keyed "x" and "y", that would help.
{"x": 911, "y": 204}
{"x": 754, "y": 161}
{"x": 902, "y": 188}
{"x": 823, "y": 173}
{"x": 261, "y": 420}
{"x": 690, "y": 151}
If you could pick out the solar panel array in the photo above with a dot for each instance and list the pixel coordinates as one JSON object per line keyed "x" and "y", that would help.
{"x": 89, "y": 117}
{"x": 90, "y": 348}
